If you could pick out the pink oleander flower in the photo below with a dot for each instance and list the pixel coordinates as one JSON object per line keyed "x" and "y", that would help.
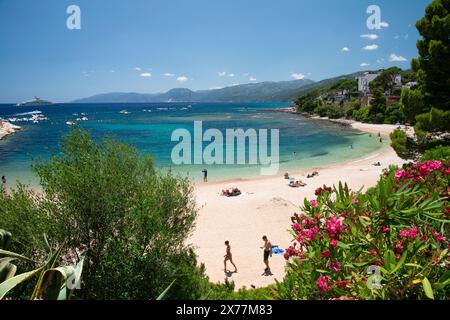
{"x": 325, "y": 253}
{"x": 310, "y": 234}
{"x": 322, "y": 284}
{"x": 438, "y": 236}
{"x": 434, "y": 165}
{"x": 424, "y": 170}
{"x": 334, "y": 227}
{"x": 344, "y": 214}
{"x": 342, "y": 284}
{"x": 296, "y": 227}
{"x": 400, "y": 174}
{"x": 385, "y": 229}
{"x": 334, "y": 243}
{"x": 335, "y": 266}
{"x": 313, "y": 204}
{"x": 411, "y": 233}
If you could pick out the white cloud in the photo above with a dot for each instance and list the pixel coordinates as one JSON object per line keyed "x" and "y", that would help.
{"x": 370, "y": 36}
{"x": 182, "y": 79}
{"x": 397, "y": 58}
{"x": 231, "y": 75}
{"x": 137, "y": 69}
{"x": 215, "y": 88}
{"x": 364, "y": 64}
{"x": 252, "y": 79}
{"x": 168, "y": 74}
{"x": 223, "y": 73}
{"x": 371, "y": 47}
{"x": 145, "y": 74}
{"x": 384, "y": 24}
{"x": 297, "y": 76}
{"x": 380, "y": 61}
{"x": 345, "y": 49}
{"x": 235, "y": 84}
{"x": 396, "y": 37}
{"x": 406, "y": 36}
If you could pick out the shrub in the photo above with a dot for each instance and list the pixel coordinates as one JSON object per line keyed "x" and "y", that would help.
{"x": 434, "y": 121}
{"x": 362, "y": 114}
{"x": 394, "y": 114}
{"x": 404, "y": 146}
{"x": 226, "y": 291}
{"x": 399, "y": 228}
{"x": 438, "y": 153}
{"x": 106, "y": 199}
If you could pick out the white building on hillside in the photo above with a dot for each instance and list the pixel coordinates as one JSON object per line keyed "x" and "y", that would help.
{"x": 364, "y": 80}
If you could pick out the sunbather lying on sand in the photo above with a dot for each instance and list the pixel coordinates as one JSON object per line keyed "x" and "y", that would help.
{"x": 312, "y": 175}
{"x": 296, "y": 184}
{"x": 231, "y": 192}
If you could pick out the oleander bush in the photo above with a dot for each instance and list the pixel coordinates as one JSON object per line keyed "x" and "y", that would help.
{"x": 391, "y": 242}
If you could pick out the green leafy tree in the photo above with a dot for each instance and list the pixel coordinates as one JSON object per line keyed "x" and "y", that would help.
{"x": 378, "y": 106}
{"x": 412, "y": 104}
{"x": 433, "y": 63}
{"x": 386, "y": 80}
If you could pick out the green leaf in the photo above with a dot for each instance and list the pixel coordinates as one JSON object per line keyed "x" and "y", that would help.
{"x": 5, "y": 239}
{"x": 427, "y": 288}
{"x": 161, "y": 296}
{"x": 401, "y": 262}
{"x": 14, "y": 281}
{"x": 321, "y": 271}
{"x": 343, "y": 245}
{"x": 14, "y": 255}
{"x": 7, "y": 269}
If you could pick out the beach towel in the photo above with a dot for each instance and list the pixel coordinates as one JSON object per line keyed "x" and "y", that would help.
{"x": 277, "y": 250}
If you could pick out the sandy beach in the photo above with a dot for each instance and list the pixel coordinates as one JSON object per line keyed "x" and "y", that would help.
{"x": 265, "y": 208}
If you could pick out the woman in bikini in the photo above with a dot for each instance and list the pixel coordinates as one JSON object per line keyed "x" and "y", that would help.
{"x": 228, "y": 257}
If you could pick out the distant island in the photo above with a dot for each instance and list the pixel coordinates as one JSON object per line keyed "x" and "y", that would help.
{"x": 36, "y": 102}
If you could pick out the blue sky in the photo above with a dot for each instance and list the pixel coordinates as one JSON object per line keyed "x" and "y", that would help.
{"x": 152, "y": 46}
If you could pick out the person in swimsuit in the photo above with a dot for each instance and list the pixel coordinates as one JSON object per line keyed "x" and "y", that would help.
{"x": 228, "y": 257}
{"x": 267, "y": 252}
{"x": 205, "y": 175}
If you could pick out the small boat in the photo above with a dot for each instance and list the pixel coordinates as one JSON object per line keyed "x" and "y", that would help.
{"x": 124, "y": 112}
{"x": 69, "y": 123}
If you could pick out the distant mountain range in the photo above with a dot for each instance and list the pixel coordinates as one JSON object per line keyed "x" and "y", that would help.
{"x": 257, "y": 92}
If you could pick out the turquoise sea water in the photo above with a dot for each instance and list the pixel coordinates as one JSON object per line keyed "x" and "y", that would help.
{"x": 304, "y": 143}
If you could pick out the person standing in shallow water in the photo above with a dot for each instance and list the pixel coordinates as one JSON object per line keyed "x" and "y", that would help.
{"x": 267, "y": 252}
{"x": 228, "y": 257}
{"x": 205, "y": 175}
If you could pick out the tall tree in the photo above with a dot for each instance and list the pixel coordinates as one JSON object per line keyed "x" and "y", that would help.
{"x": 412, "y": 104}
{"x": 433, "y": 63}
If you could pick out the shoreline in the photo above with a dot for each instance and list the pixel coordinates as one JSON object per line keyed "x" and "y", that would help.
{"x": 265, "y": 208}
{"x": 7, "y": 128}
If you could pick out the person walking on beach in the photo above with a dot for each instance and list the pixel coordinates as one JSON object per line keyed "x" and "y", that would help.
{"x": 205, "y": 175}
{"x": 4, "y": 181}
{"x": 228, "y": 257}
{"x": 267, "y": 252}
